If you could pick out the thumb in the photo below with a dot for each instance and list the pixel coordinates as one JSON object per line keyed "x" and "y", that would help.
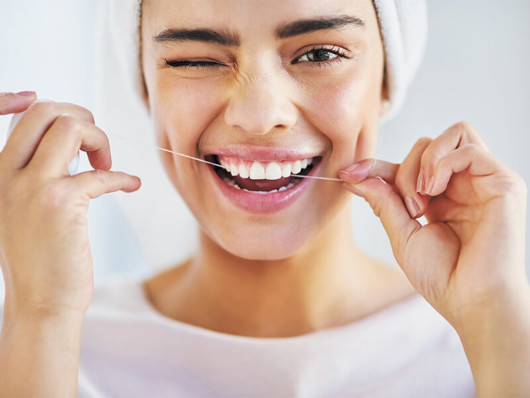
{"x": 99, "y": 182}
{"x": 389, "y": 207}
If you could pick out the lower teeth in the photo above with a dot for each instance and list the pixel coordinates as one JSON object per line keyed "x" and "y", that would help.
{"x": 233, "y": 184}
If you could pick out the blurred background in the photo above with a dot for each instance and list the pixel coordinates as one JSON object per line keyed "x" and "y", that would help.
{"x": 476, "y": 68}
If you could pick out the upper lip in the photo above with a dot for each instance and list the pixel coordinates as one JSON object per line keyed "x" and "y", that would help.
{"x": 263, "y": 154}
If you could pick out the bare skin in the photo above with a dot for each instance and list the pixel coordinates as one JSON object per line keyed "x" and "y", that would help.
{"x": 47, "y": 291}
{"x": 311, "y": 291}
{"x": 306, "y": 253}
{"x": 476, "y": 236}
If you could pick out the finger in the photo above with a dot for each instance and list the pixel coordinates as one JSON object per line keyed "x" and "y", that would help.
{"x": 370, "y": 168}
{"x": 388, "y": 206}
{"x": 473, "y": 158}
{"x": 99, "y": 182}
{"x": 16, "y": 102}
{"x": 28, "y": 132}
{"x": 407, "y": 177}
{"x": 64, "y": 139}
{"x": 442, "y": 209}
{"x": 454, "y": 137}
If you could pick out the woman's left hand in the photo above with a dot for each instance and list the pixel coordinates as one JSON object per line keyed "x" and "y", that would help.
{"x": 468, "y": 259}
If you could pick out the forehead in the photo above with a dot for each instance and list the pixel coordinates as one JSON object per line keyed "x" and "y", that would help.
{"x": 260, "y": 16}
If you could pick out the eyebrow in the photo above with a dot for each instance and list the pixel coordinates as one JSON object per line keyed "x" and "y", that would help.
{"x": 202, "y": 35}
{"x": 232, "y": 40}
{"x": 310, "y": 25}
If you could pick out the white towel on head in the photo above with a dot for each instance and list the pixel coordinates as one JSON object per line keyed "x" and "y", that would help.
{"x": 156, "y": 214}
{"x": 120, "y": 109}
{"x": 403, "y": 25}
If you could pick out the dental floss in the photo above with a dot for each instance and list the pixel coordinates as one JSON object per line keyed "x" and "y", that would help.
{"x": 73, "y": 167}
{"x": 205, "y": 161}
{"x": 162, "y": 149}
{"x": 318, "y": 178}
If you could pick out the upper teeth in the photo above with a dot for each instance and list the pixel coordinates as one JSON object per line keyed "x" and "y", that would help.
{"x": 263, "y": 171}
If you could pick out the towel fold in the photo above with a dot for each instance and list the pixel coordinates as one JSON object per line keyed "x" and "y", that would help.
{"x": 403, "y": 26}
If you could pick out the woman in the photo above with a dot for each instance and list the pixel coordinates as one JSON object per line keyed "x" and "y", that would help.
{"x": 278, "y": 300}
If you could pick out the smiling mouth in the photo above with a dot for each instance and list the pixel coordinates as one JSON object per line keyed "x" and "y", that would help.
{"x": 261, "y": 177}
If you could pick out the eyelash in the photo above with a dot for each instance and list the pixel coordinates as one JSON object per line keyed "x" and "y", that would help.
{"x": 338, "y": 53}
{"x": 183, "y": 64}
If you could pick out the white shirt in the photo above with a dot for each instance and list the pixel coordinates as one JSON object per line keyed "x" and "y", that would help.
{"x": 130, "y": 350}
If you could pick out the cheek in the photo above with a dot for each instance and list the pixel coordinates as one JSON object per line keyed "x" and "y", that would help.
{"x": 347, "y": 112}
{"x": 182, "y": 110}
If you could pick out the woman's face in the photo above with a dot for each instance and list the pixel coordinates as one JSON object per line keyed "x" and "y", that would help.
{"x": 265, "y": 88}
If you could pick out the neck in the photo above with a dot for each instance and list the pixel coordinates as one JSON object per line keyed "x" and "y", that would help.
{"x": 329, "y": 283}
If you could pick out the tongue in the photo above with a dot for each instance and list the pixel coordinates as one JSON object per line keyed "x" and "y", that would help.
{"x": 261, "y": 185}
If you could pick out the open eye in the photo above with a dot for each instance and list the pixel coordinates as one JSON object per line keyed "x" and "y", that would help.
{"x": 319, "y": 55}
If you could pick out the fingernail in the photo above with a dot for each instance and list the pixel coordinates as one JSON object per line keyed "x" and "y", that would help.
{"x": 413, "y": 206}
{"x": 352, "y": 168}
{"x": 356, "y": 172}
{"x": 27, "y": 93}
{"x": 421, "y": 182}
{"x": 430, "y": 186}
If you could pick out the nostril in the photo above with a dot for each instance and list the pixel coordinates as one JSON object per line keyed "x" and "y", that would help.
{"x": 259, "y": 111}
{"x": 255, "y": 124}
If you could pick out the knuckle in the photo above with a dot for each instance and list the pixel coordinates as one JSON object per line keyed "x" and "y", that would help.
{"x": 66, "y": 122}
{"x": 44, "y": 108}
{"x": 471, "y": 150}
{"x": 47, "y": 108}
{"x": 466, "y": 132}
{"x": 424, "y": 141}
{"x": 463, "y": 126}
{"x": 79, "y": 110}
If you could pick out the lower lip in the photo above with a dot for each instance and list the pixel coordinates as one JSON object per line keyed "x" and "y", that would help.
{"x": 263, "y": 203}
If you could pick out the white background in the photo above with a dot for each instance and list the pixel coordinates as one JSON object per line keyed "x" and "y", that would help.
{"x": 476, "y": 69}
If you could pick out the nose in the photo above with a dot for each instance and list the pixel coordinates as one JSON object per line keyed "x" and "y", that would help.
{"x": 259, "y": 105}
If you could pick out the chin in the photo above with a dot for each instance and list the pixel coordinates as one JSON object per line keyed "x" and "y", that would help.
{"x": 264, "y": 243}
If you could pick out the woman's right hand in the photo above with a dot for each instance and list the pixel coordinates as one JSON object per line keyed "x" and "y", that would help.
{"x": 44, "y": 248}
